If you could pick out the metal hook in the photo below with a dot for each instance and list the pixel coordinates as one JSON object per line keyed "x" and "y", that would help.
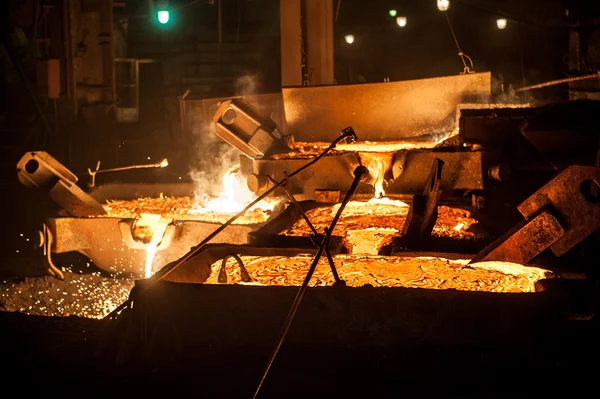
{"x": 222, "y": 279}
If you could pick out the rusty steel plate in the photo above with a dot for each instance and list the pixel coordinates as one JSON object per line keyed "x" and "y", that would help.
{"x": 573, "y": 197}
{"x": 523, "y": 243}
{"x": 462, "y": 171}
{"x": 382, "y": 111}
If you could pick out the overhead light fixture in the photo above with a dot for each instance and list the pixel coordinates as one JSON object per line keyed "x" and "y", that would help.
{"x": 393, "y": 13}
{"x": 501, "y": 23}
{"x": 162, "y": 10}
{"x": 401, "y": 21}
{"x": 163, "y": 16}
{"x": 443, "y": 5}
{"x": 349, "y": 39}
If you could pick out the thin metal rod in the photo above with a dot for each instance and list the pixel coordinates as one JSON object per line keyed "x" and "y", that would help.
{"x": 460, "y": 53}
{"x": 337, "y": 10}
{"x": 452, "y": 31}
{"x": 166, "y": 270}
{"x": 559, "y": 81}
{"x": 297, "y": 205}
{"x": 336, "y": 276}
{"x": 359, "y": 173}
{"x": 160, "y": 164}
{"x": 314, "y": 230}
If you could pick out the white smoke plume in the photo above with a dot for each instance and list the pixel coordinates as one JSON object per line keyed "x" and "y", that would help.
{"x": 213, "y": 156}
{"x": 213, "y": 159}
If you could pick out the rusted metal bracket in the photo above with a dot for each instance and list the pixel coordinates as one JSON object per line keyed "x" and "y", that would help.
{"x": 524, "y": 241}
{"x": 40, "y": 170}
{"x": 423, "y": 211}
{"x": 45, "y": 243}
{"x": 557, "y": 216}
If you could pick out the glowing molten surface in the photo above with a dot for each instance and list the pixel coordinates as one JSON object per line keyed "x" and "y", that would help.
{"x": 366, "y": 226}
{"x": 368, "y": 241}
{"x": 179, "y": 208}
{"x": 309, "y": 150}
{"x": 388, "y": 271}
{"x": 234, "y": 197}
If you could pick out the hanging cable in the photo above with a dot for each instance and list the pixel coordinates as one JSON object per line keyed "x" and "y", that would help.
{"x": 337, "y": 10}
{"x": 462, "y": 55}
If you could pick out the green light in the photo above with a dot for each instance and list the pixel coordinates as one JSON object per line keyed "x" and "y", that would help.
{"x": 163, "y": 16}
{"x": 393, "y": 13}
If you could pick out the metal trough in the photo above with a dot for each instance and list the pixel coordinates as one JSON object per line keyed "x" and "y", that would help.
{"x": 109, "y": 242}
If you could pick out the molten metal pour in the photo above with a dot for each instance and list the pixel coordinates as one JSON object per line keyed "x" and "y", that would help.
{"x": 150, "y": 228}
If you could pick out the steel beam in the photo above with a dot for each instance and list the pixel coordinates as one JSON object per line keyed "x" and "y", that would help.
{"x": 291, "y": 42}
{"x": 319, "y": 38}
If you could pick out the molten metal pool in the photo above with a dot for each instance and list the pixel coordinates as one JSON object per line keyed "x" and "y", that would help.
{"x": 367, "y": 226}
{"x": 387, "y": 271}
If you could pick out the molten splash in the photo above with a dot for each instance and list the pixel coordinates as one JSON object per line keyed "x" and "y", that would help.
{"x": 234, "y": 197}
{"x": 377, "y": 164}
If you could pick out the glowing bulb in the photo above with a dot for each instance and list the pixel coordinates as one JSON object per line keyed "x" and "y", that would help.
{"x": 501, "y": 23}
{"x": 163, "y": 16}
{"x": 164, "y": 163}
{"x": 393, "y": 13}
{"x": 443, "y": 5}
{"x": 401, "y": 21}
{"x": 349, "y": 39}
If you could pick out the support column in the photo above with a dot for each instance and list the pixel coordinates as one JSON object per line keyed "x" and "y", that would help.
{"x": 319, "y": 46}
{"x": 291, "y": 43}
